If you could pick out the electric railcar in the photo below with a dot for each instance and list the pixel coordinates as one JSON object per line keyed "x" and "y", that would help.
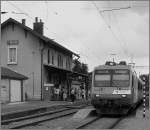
{"x": 115, "y": 88}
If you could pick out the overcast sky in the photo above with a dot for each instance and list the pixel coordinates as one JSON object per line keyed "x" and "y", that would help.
{"x": 79, "y": 26}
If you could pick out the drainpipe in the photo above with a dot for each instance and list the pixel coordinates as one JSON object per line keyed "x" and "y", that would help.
{"x": 42, "y": 50}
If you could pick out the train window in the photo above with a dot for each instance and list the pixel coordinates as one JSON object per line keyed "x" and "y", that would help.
{"x": 120, "y": 77}
{"x": 102, "y": 77}
{"x": 120, "y": 80}
{"x": 121, "y": 71}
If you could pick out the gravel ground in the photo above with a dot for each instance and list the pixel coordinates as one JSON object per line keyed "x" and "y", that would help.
{"x": 136, "y": 121}
{"x": 53, "y": 124}
{"x": 63, "y": 122}
{"x": 102, "y": 123}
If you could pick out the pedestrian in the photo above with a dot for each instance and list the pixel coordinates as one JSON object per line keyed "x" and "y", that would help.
{"x": 61, "y": 94}
{"x": 64, "y": 95}
{"x": 72, "y": 95}
{"x": 52, "y": 90}
{"x": 83, "y": 94}
{"x": 89, "y": 94}
{"x": 57, "y": 93}
{"x": 80, "y": 95}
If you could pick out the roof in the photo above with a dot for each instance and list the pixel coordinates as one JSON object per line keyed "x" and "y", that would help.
{"x": 10, "y": 74}
{"x": 70, "y": 71}
{"x": 42, "y": 37}
{"x": 113, "y": 67}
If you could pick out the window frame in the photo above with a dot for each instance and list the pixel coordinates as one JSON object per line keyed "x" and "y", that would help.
{"x": 60, "y": 60}
{"x": 48, "y": 56}
{"x": 8, "y": 60}
{"x": 52, "y": 57}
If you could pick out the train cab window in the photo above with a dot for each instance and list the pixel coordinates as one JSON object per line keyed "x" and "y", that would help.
{"x": 120, "y": 78}
{"x": 102, "y": 78}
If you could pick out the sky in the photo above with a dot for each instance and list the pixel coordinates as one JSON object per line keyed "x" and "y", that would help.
{"x": 93, "y": 29}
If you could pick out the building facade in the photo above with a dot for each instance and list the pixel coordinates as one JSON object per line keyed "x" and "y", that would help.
{"x": 27, "y": 51}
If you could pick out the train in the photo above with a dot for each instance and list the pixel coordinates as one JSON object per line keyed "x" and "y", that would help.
{"x": 116, "y": 88}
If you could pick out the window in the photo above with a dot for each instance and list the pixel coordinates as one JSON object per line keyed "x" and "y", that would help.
{"x": 60, "y": 61}
{"x": 120, "y": 80}
{"x": 102, "y": 77}
{"x": 48, "y": 56}
{"x": 52, "y": 58}
{"x": 121, "y": 77}
{"x": 12, "y": 54}
{"x": 102, "y": 80}
{"x": 68, "y": 64}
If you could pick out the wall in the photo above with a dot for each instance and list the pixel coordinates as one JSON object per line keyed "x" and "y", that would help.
{"x": 4, "y": 90}
{"x": 28, "y": 58}
{"x": 56, "y": 53}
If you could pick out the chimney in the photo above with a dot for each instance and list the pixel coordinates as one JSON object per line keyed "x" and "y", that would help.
{"x": 23, "y": 21}
{"x": 38, "y": 26}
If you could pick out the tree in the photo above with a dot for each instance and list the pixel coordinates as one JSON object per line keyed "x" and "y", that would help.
{"x": 80, "y": 67}
{"x": 145, "y": 78}
{"x": 84, "y": 68}
{"x": 77, "y": 66}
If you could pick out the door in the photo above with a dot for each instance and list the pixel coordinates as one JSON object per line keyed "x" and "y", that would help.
{"x": 47, "y": 92}
{"x": 15, "y": 91}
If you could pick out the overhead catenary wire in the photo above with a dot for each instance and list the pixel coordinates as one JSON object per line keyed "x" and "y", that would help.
{"x": 26, "y": 14}
{"x": 115, "y": 9}
{"x": 121, "y": 36}
{"x": 109, "y": 27}
{"x": 22, "y": 12}
{"x": 126, "y": 52}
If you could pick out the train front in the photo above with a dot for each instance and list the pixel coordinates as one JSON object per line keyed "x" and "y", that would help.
{"x": 111, "y": 90}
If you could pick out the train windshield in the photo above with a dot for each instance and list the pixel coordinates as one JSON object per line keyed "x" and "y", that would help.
{"x": 120, "y": 78}
{"x": 102, "y": 78}
{"x": 111, "y": 78}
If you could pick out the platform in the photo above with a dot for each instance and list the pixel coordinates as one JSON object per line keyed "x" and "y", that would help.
{"x": 22, "y": 107}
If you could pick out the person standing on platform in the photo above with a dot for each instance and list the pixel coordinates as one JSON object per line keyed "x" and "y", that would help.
{"x": 64, "y": 95}
{"x": 83, "y": 93}
{"x": 57, "y": 93}
{"x": 72, "y": 95}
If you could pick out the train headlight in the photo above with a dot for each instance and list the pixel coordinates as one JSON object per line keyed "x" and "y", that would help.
{"x": 124, "y": 95}
{"x": 97, "y": 95}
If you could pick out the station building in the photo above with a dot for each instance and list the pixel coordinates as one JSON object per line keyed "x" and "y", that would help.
{"x": 46, "y": 63}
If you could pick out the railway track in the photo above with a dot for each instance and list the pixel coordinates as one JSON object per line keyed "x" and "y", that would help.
{"x": 104, "y": 123}
{"x": 100, "y": 122}
{"x": 39, "y": 117}
{"x": 92, "y": 121}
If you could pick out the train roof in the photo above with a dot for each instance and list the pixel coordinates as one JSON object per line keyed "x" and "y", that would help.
{"x": 114, "y": 67}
